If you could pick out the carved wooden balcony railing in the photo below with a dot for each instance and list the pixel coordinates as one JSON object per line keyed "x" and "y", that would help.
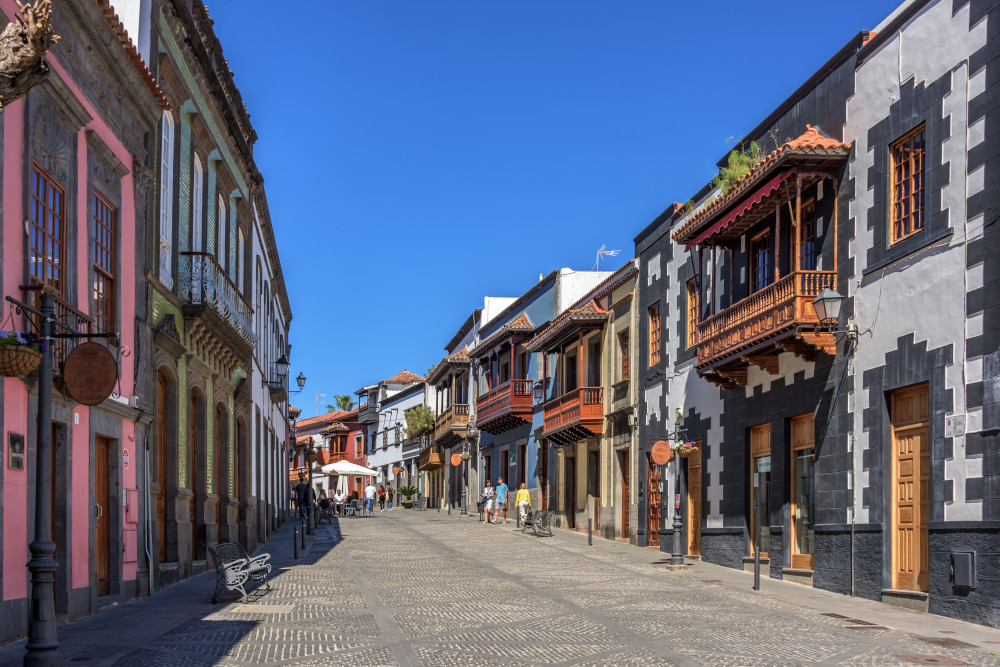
{"x": 216, "y": 306}
{"x": 430, "y": 458}
{"x": 452, "y": 425}
{"x": 334, "y": 457}
{"x": 740, "y": 334}
{"x": 506, "y": 407}
{"x": 575, "y": 415}
{"x": 293, "y": 473}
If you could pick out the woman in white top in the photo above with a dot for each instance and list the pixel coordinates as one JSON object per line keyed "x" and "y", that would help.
{"x": 488, "y": 495}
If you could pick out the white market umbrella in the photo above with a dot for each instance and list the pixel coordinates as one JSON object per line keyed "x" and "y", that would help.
{"x": 345, "y": 468}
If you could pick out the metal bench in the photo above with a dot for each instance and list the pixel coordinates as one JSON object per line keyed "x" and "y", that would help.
{"x": 538, "y": 523}
{"x": 421, "y": 503}
{"x": 234, "y": 568}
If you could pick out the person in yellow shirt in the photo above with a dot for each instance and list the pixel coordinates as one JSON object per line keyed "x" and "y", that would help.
{"x": 523, "y": 501}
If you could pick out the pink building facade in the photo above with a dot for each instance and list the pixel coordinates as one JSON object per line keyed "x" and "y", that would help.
{"x": 76, "y": 160}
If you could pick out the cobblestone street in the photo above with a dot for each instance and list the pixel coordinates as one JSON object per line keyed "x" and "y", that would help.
{"x": 408, "y": 588}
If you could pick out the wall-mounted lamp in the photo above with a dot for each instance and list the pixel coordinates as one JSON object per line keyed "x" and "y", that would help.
{"x": 827, "y": 305}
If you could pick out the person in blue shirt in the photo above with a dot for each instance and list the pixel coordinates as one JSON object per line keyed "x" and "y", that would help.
{"x": 501, "y": 502}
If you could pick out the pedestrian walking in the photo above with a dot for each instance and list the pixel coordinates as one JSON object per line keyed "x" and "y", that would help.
{"x": 303, "y": 495}
{"x": 501, "y": 501}
{"x": 370, "y": 497}
{"x": 523, "y": 500}
{"x": 389, "y": 493}
{"x": 488, "y": 495}
{"x": 381, "y": 498}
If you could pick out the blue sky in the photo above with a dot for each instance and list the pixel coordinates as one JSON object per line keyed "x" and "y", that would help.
{"x": 420, "y": 154}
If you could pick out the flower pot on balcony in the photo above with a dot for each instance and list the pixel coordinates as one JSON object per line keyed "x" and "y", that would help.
{"x": 18, "y": 360}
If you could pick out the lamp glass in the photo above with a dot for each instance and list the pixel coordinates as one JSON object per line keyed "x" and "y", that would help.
{"x": 281, "y": 366}
{"x": 301, "y": 380}
{"x": 537, "y": 391}
{"x": 827, "y": 305}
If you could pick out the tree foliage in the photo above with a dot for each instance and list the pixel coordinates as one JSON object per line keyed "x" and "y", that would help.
{"x": 741, "y": 160}
{"x": 419, "y": 418}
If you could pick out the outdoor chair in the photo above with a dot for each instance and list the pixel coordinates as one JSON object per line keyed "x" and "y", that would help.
{"x": 538, "y": 523}
{"x": 325, "y": 512}
{"x": 234, "y": 568}
{"x": 351, "y": 508}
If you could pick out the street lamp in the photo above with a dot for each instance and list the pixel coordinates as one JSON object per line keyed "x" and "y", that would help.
{"x": 678, "y": 435}
{"x": 827, "y": 306}
{"x": 301, "y": 381}
{"x": 281, "y": 366}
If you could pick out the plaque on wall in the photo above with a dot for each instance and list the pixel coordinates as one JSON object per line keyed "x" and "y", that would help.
{"x": 15, "y": 451}
{"x": 90, "y": 373}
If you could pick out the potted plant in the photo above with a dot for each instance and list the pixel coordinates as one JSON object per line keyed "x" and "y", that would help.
{"x": 685, "y": 449}
{"x": 311, "y": 454}
{"x": 19, "y": 353}
{"x": 407, "y": 492}
{"x": 465, "y": 456}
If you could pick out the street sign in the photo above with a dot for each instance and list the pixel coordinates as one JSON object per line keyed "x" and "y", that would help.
{"x": 954, "y": 426}
{"x": 125, "y": 459}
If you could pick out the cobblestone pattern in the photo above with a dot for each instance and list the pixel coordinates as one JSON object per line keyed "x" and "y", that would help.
{"x": 409, "y": 589}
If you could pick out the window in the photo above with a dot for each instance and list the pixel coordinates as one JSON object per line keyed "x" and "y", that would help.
{"x": 623, "y": 351}
{"x": 166, "y": 198}
{"x": 907, "y": 205}
{"x": 760, "y": 260}
{"x": 803, "y": 490}
{"x": 357, "y": 446}
{"x": 654, "y": 334}
{"x": 807, "y": 238}
{"x": 197, "y": 193}
{"x": 48, "y": 231}
{"x": 398, "y": 430}
{"x": 220, "y": 237}
{"x": 240, "y": 249}
{"x": 694, "y": 310}
{"x": 103, "y": 251}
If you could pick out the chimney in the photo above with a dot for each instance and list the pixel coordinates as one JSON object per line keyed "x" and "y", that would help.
{"x": 540, "y": 276}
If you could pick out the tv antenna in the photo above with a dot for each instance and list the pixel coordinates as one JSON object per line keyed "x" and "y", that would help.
{"x": 319, "y": 402}
{"x": 603, "y": 252}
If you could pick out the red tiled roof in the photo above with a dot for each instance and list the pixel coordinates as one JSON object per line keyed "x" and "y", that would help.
{"x": 335, "y": 427}
{"x": 588, "y": 312}
{"x": 459, "y": 358}
{"x": 404, "y": 377}
{"x": 810, "y": 144}
{"x": 133, "y": 53}
{"x": 520, "y": 324}
{"x": 304, "y": 424}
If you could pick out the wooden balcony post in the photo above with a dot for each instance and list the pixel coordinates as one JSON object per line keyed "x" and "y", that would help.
{"x": 798, "y": 222}
{"x": 712, "y": 297}
{"x": 777, "y": 242}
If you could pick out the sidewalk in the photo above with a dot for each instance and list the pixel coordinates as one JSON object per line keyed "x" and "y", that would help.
{"x": 112, "y": 633}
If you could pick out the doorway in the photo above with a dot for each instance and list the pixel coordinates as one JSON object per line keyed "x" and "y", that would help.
{"x": 570, "y": 486}
{"x": 102, "y": 515}
{"x": 803, "y": 491}
{"x": 162, "y": 394}
{"x": 910, "y": 488}
{"x": 194, "y": 415}
{"x": 694, "y": 500}
{"x": 654, "y": 476}
{"x": 594, "y": 486}
{"x": 760, "y": 489}
{"x": 623, "y": 467}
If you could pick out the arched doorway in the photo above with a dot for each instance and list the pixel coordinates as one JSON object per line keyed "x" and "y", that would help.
{"x": 196, "y": 411}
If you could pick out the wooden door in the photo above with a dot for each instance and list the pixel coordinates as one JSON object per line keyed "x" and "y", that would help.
{"x": 594, "y": 484}
{"x": 760, "y": 488}
{"x": 653, "y": 478}
{"x": 623, "y": 466}
{"x": 220, "y": 434}
{"x": 193, "y": 472}
{"x": 570, "y": 486}
{"x": 236, "y": 468}
{"x": 162, "y": 389}
{"x": 803, "y": 490}
{"x": 545, "y": 475}
{"x": 102, "y": 520}
{"x": 694, "y": 502}
{"x": 911, "y": 486}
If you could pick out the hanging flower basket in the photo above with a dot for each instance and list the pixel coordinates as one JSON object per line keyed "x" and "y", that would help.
{"x": 310, "y": 456}
{"x": 465, "y": 456}
{"x": 685, "y": 449}
{"x": 17, "y": 360}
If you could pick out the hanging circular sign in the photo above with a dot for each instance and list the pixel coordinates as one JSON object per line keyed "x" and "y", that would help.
{"x": 90, "y": 373}
{"x": 456, "y": 459}
{"x": 661, "y": 453}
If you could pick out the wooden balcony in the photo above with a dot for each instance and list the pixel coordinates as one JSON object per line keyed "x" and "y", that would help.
{"x": 451, "y": 426}
{"x": 334, "y": 457}
{"x": 430, "y": 458}
{"x": 368, "y": 414}
{"x": 575, "y": 415}
{"x": 779, "y": 318}
{"x": 504, "y": 408}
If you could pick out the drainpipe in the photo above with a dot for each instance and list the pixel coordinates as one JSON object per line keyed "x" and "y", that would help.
{"x": 853, "y": 490}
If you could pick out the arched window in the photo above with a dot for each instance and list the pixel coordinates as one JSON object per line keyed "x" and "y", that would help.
{"x": 220, "y": 239}
{"x": 197, "y": 193}
{"x": 166, "y": 199}
{"x": 240, "y": 249}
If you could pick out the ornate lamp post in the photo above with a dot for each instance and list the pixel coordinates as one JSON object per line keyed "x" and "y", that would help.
{"x": 678, "y": 435}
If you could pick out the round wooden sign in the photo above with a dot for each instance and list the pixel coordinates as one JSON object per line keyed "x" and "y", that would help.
{"x": 661, "y": 453}
{"x": 90, "y": 373}
{"x": 456, "y": 459}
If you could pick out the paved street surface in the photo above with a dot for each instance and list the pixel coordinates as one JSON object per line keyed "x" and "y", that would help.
{"x": 412, "y": 588}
